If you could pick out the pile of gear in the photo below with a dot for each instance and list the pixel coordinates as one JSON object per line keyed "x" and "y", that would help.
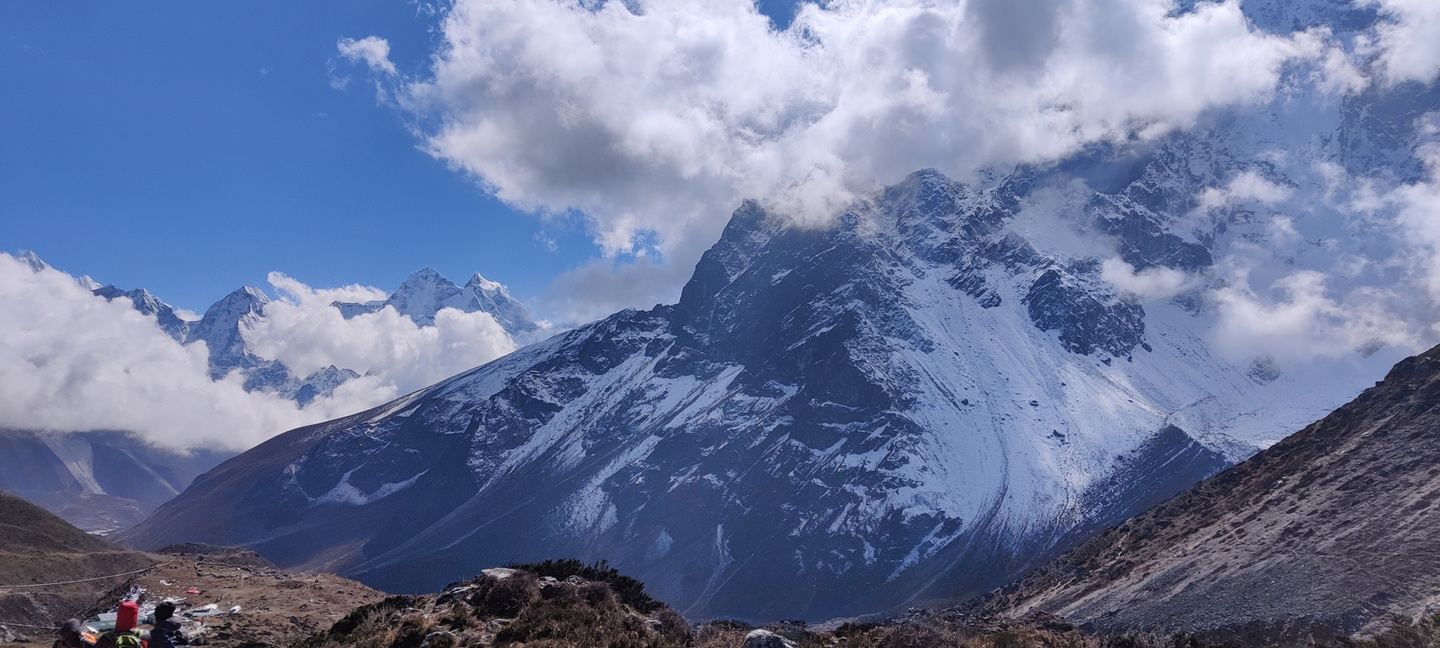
{"x": 133, "y": 625}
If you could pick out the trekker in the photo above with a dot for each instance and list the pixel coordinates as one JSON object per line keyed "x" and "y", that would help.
{"x": 166, "y": 632}
{"x": 125, "y": 634}
{"x": 70, "y": 635}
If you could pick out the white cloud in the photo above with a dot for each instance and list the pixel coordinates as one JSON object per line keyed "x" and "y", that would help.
{"x": 1340, "y": 73}
{"x": 1282, "y": 231}
{"x": 371, "y": 50}
{"x": 300, "y": 293}
{"x": 1151, "y": 283}
{"x": 1300, "y": 320}
{"x": 653, "y": 118}
{"x": 1246, "y": 187}
{"x": 72, "y": 361}
{"x": 1408, "y": 39}
{"x": 1418, "y": 217}
{"x": 302, "y": 330}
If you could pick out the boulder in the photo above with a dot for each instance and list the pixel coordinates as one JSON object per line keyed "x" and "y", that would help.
{"x": 499, "y": 573}
{"x": 766, "y": 639}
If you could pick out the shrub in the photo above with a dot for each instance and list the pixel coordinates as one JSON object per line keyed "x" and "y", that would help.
{"x": 630, "y": 591}
{"x": 504, "y": 597}
{"x": 359, "y": 616}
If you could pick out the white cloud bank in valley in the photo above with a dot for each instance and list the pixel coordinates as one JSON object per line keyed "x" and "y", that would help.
{"x": 70, "y": 360}
{"x": 303, "y": 330}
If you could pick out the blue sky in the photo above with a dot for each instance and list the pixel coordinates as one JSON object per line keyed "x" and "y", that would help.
{"x": 193, "y": 147}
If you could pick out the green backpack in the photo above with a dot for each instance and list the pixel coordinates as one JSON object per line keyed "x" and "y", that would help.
{"x": 129, "y": 639}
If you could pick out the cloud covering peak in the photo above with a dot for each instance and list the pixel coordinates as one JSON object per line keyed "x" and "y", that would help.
{"x": 654, "y": 118}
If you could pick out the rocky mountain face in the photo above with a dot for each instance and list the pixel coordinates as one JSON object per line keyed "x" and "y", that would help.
{"x": 148, "y": 304}
{"x": 1328, "y": 533}
{"x": 97, "y": 481}
{"x": 917, "y": 403}
{"x": 222, "y": 329}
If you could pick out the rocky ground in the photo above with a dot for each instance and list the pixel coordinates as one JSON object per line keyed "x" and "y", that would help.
{"x": 276, "y": 607}
{"x": 564, "y": 604}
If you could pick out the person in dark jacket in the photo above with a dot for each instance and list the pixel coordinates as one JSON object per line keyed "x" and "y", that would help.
{"x": 70, "y": 635}
{"x": 166, "y": 632}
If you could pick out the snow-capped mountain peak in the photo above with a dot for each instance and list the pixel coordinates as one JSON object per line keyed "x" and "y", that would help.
{"x": 483, "y": 295}
{"x": 220, "y": 327}
{"x": 426, "y": 292}
{"x": 422, "y": 295}
{"x": 479, "y": 282}
{"x": 33, "y": 260}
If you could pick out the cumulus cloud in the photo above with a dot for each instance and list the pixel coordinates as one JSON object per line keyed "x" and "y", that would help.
{"x": 1157, "y": 282}
{"x": 302, "y": 330}
{"x": 1246, "y": 187}
{"x": 1408, "y": 39}
{"x": 1297, "y": 318}
{"x": 373, "y": 51}
{"x": 72, "y": 361}
{"x": 1340, "y": 73}
{"x": 653, "y": 119}
{"x": 1418, "y": 206}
